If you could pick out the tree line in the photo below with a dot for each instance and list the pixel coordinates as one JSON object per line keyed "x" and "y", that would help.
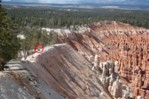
{"x": 60, "y": 17}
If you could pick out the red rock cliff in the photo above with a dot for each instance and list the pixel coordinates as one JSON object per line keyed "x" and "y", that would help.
{"x": 120, "y": 42}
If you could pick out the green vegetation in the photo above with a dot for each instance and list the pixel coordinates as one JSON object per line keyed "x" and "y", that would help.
{"x": 61, "y": 17}
{"x": 9, "y": 43}
{"x": 29, "y": 21}
{"x": 35, "y": 36}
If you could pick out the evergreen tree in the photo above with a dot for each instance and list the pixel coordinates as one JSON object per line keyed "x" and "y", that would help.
{"x": 9, "y": 43}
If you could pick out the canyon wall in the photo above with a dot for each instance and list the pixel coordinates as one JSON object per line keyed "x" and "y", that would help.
{"x": 74, "y": 77}
{"x": 67, "y": 72}
{"x": 116, "y": 41}
{"x": 110, "y": 60}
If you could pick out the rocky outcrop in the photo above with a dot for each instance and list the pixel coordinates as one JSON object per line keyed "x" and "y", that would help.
{"x": 113, "y": 82}
{"x": 9, "y": 89}
{"x": 116, "y": 41}
{"x": 108, "y": 61}
{"x": 69, "y": 73}
{"x": 18, "y": 83}
{"x": 63, "y": 69}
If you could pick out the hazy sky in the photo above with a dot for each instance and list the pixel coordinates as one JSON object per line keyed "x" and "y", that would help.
{"x": 84, "y": 1}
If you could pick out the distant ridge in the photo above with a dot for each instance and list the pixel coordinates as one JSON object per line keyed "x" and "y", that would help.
{"x": 81, "y": 5}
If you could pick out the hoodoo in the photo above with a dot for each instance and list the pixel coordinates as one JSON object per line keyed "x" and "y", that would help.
{"x": 126, "y": 45}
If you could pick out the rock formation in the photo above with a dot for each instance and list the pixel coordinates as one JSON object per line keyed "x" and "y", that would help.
{"x": 116, "y": 41}
{"x": 18, "y": 83}
{"x": 70, "y": 74}
{"x": 112, "y": 82}
{"x": 67, "y": 72}
{"x": 110, "y": 60}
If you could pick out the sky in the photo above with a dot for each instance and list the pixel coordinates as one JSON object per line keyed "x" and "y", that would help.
{"x": 84, "y": 1}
